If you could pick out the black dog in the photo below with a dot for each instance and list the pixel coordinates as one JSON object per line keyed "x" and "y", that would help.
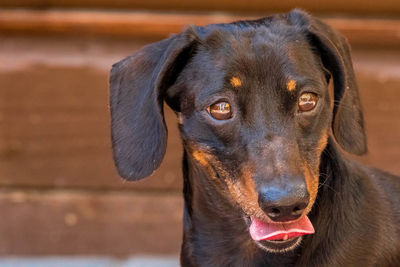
{"x": 265, "y": 181}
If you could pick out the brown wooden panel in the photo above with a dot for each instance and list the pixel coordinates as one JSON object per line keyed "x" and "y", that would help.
{"x": 390, "y": 7}
{"x": 382, "y": 116}
{"x": 360, "y": 32}
{"x": 55, "y": 132}
{"x": 73, "y": 223}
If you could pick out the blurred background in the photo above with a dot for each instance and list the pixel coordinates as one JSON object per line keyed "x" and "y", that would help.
{"x": 60, "y": 195}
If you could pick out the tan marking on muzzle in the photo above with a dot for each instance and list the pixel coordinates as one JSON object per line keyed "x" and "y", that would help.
{"x": 243, "y": 192}
{"x": 312, "y": 186}
{"x": 312, "y": 177}
{"x": 180, "y": 118}
{"x": 291, "y": 85}
{"x": 200, "y": 157}
{"x": 204, "y": 159}
{"x": 322, "y": 142}
{"x": 235, "y": 82}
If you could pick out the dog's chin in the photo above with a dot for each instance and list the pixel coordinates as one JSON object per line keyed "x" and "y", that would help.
{"x": 279, "y": 246}
{"x": 276, "y": 246}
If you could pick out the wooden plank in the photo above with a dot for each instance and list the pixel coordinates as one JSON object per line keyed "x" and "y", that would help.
{"x": 361, "y": 7}
{"x": 378, "y": 76}
{"x": 82, "y": 223}
{"x": 382, "y": 116}
{"x": 55, "y": 132}
{"x": 360, "y": 32}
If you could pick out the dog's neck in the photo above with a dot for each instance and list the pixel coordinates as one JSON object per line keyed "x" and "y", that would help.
{"x": 215, "y": 232}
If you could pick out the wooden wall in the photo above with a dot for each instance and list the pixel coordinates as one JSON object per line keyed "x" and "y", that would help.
{"x": 59, "y": 191}
{"x": 353, "y": 7}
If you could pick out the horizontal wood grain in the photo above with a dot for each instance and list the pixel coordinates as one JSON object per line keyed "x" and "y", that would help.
{"x": 388, "y": 7}
{"x": 360, "y": 32}
{"x": 82, "y": 223}
{"x": 55, "y": 131}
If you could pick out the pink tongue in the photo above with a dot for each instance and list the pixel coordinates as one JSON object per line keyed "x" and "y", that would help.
{"x": 260, "y": 230}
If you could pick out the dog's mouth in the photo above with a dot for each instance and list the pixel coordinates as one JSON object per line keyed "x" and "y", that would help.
{"x": 260, "y": 230}
{"x": 279, "y": 237}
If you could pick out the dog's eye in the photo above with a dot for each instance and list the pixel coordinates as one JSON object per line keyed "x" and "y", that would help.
{"x": 220, "y": 110}
{"x": 307, "y": 101}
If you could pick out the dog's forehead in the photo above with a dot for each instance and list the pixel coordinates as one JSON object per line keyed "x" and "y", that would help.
{"x": 252, "y": 42}
{"x": 247, "y": 57}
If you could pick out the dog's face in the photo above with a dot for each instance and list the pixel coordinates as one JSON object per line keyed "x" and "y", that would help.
{"x": 255, "y": 114}
{"x": 254, "y": 111}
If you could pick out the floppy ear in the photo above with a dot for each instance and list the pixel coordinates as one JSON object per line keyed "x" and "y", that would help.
{"x": 348, "y": 122}
{"x": 137, "y": 86}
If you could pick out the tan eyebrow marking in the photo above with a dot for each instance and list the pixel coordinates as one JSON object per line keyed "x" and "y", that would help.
{"x": 291, "y": 85}
{"x": 235, "y": 81}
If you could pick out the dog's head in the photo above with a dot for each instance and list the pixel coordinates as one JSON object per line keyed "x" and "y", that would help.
{"x": 254, "y": 110}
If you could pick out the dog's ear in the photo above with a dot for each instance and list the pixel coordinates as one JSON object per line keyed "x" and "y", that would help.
{"x": 137, "y": 87}
{"x": 348, "y": 122}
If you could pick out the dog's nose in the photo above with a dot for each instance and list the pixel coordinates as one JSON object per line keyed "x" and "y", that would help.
{"x": 283, "y": 202}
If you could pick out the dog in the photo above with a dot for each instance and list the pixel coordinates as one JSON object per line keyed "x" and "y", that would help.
{"x": 267, "y": 110}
